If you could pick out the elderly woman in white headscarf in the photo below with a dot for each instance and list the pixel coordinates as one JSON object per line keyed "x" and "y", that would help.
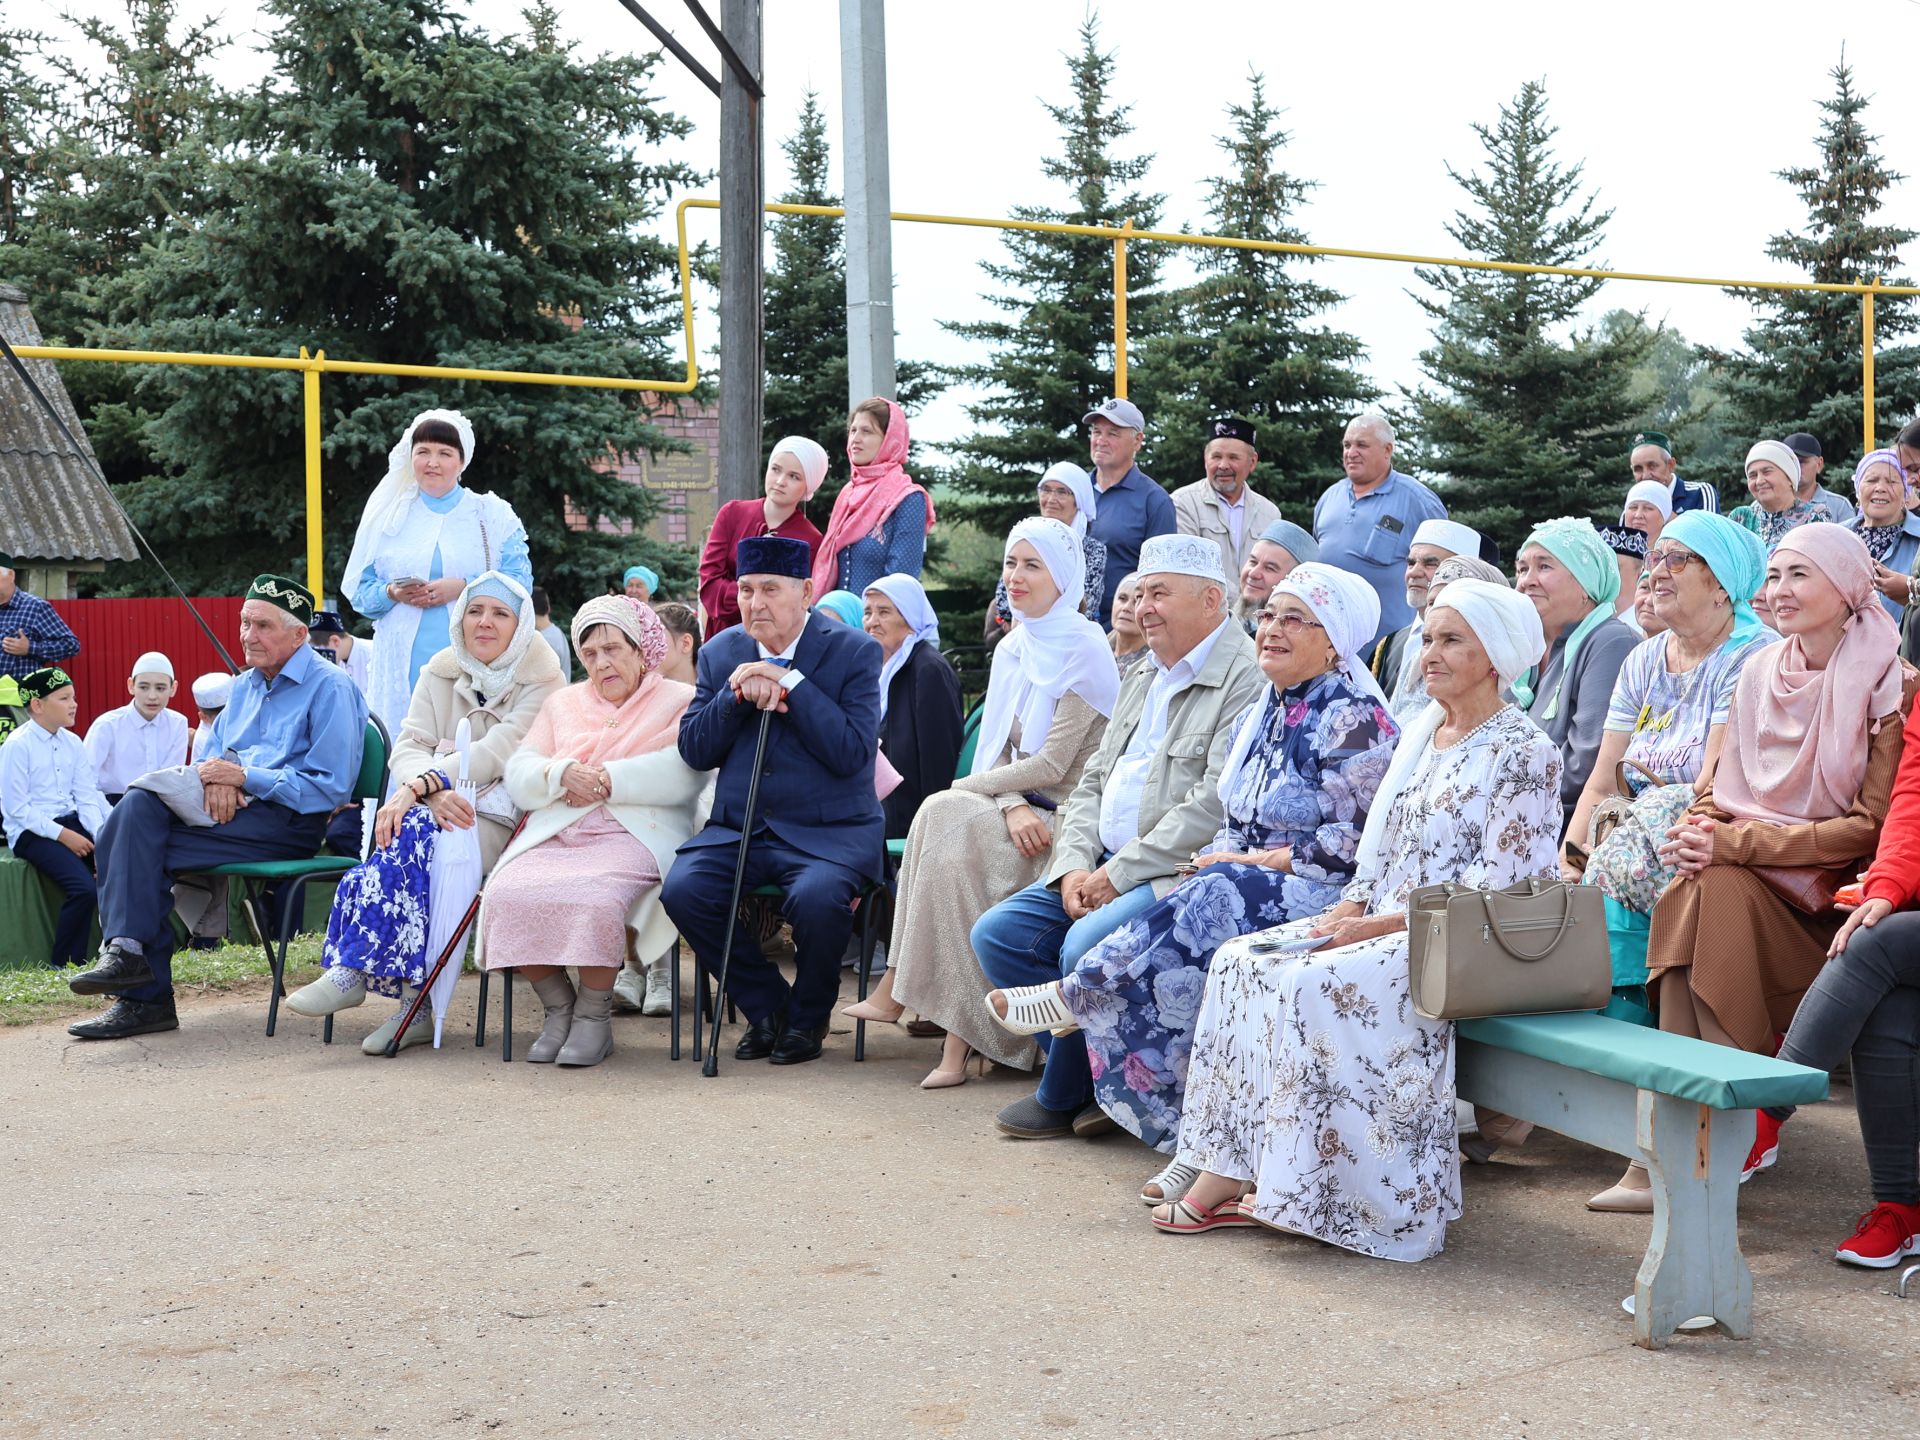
{"x": 1313, "y": 1082}
{"x": 1066, "y": 494}
{"x": 493, "y": 677}
{"x": 422, "y": 535}
{"x": 608, "y": 802}
{"x": 1050, "y": 695}
{"x": 1297, "y": 788}
{"x": 920, "y": 718}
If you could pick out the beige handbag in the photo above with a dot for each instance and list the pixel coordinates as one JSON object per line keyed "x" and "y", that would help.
{"x": 1531, "y": 949}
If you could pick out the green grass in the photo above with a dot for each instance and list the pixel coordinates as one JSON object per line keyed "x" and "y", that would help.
{"x": 33, "y": 995}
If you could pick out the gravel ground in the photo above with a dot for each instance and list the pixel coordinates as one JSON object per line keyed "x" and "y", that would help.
{"x": 214, "y": 1233}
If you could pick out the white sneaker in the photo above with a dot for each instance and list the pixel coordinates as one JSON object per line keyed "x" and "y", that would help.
{"x": 659, "y": 999}
{"x": 628, "y": 996}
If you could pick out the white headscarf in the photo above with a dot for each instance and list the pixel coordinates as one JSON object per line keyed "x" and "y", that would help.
{"x": 1048, "y": 655}
{"x": 1508, "y": 626}
{"x": 813, "y": 459}
{"x": 910, "y": 599}
{"x": 1654, "y": 493}
{"x": 1349, "y": 610}
{"x": 491, "y": 680}
{"x": 387, "y": 507}
{"x": 1077, "y": 480}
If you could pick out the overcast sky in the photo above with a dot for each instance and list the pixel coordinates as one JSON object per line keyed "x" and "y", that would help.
{"x": 1681, "y": 112}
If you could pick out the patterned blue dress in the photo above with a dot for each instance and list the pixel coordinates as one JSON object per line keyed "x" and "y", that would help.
{"x": 378, "y": 924}
{"x": 1309, "y": 778}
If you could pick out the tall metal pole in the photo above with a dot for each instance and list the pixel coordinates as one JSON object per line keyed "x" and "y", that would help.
{"x": 869, "y": 233}
{"x": 742, "y": 193}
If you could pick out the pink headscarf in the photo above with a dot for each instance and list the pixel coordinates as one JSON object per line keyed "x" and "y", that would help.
{"x": 1796, "y": 746}
{"x": 868, "y": 499}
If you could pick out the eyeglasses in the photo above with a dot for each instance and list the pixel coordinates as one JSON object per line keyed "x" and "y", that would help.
{"x": 1675, "y": 561}
{"x": 1290, "y": 624}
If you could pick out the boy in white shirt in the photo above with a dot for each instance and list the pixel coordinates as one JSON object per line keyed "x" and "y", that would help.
{"x": 142, "y": 737}
{"x": 52, "y": 807}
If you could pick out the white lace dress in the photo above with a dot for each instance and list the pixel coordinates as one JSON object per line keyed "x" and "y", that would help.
{"x": 1311, "y": 1075}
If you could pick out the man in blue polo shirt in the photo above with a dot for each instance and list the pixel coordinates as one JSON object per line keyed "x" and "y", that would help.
{"x": 1365, "y": 523}
{"x": 1130, "y": 508}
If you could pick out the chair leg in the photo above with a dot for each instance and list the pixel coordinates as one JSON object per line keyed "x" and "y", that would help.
{"x": 699, "y": 1007}
{"x": 480, "y": 1019}
{"x": 673, "y": 1004}
{"x": 867, "y": 909}
{"x": 276, "y": 958}
{"x": 506, "y": 1014}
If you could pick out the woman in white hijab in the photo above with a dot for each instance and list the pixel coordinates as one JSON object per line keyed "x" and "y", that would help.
{"x": 1313, "y": 1082}
{"x": 920, "y": 721}
{"x": 422, "y": 535}
{"x": 1066, "y": 494}
{"x": 1049, "y": 697}
{"x": 1297, "y": 788}
{"x": 495, "y": 678}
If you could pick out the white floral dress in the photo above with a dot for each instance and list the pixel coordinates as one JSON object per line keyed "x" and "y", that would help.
{"x": 1311, "y": 1075}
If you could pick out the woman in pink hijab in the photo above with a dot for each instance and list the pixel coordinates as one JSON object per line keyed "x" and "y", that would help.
{"x": 1790, "y": 811}
{"x": 881, "y": 519}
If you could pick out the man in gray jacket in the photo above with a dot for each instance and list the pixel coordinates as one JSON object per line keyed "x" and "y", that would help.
{"x": 1145, "y": 803}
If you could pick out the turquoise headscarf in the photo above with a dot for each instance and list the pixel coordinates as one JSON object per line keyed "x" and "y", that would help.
{"x": 1578, "y": 546}
{"x": 642, "y": 572}
{"x": 1735, "y": 556}
{"x": 844, "y": 606}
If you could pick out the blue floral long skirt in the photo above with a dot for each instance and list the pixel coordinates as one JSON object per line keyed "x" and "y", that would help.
{"x": 1137, "y": 993}
{"x": 378, "y": 924}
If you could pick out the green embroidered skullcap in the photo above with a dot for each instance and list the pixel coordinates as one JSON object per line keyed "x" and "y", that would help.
{"x": 39, "y": 684}
{"x": 1653, "y": 437}
{"x": 282, "y": 593}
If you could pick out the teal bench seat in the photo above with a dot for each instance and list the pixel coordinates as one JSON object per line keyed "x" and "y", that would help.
{"x": 1681, "y": 1107}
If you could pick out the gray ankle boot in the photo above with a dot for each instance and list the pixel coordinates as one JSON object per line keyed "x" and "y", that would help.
{"x": 591, "y": 1039}
{"x": 556, "y": 993}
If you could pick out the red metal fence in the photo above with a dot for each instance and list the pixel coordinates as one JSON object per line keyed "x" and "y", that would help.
{"x": 115, "y": 633}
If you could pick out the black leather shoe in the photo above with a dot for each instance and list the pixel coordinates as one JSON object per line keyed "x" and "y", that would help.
{"x": 127, "y": 1017}
{"x": 116, "y": 970}
{"x": 761, "y": 1038}
{"x": 797, "y": 1046}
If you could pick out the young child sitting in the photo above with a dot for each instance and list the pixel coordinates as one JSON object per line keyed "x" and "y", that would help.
{"x": 142, "y": 737}
{"x": 52, "y": 805}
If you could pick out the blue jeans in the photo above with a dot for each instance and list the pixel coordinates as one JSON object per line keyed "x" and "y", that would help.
{"x": 1027, "y": 940}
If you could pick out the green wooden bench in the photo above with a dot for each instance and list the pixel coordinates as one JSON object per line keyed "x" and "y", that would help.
{"x": 1681, "y": 1107}
{"x": 29, "y": 909}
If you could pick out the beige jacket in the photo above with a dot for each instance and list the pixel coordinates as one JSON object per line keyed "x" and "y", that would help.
{"x": 443, "y": 697}
{"x": 1180, "y": 809}
{"x": 1201, "y": 512}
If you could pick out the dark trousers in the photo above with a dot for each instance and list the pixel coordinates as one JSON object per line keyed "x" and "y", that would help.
{"x": 74, "y": 876}
{"x": 1866, "y": 1002}
{"x": 143, "y": 847}
{"x": 816, "y": 899}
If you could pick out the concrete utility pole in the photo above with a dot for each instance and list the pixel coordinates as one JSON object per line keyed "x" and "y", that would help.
{"x": 742, "y": 195}
{"x": 869, "y": 233}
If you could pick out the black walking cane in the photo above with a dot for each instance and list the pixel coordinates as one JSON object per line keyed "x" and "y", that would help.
{"x": 712, "y": 1066}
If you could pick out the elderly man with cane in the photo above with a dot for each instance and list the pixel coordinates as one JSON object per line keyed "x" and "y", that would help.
{"x": 815, "y": 827}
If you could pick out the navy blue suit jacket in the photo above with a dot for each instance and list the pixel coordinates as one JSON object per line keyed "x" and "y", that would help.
{"x": 816, "y": 786}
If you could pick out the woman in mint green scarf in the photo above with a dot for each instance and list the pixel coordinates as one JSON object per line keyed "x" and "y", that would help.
{"x": 1569, "y": 574}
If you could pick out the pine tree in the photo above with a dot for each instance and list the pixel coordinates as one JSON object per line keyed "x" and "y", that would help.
{"x": 1801, "y": 367}
{"x": 1052, "y": 357}
{"x": 805, "y": 317}
{"x": 1245, "y": 343}
{"x": 401, "y": 187}
{"x": 1524, "y": 424}
{"x": 28, "y": 106}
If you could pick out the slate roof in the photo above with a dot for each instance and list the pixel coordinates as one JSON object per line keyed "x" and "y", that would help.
{"x": 51, "y": 507}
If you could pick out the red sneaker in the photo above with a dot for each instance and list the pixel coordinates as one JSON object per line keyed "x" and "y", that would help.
{"x": 1884, "y": 1237}
{"x": 1766, "y": 1146}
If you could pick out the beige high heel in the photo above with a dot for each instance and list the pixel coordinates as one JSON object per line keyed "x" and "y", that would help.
{"x": 947, "y": 1079}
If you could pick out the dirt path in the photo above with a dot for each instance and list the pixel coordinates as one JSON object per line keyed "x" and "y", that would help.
{"x": 217, "y": 1234}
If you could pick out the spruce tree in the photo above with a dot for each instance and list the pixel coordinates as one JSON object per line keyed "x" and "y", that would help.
{"x": 1801, "y": 366}
{"x": 402, "y": 187}
{"x": 1524, "y": 416}
{"x": 1244, "y": 341}
{"x": 1051, "y": 357}
{"x": 805, "y": 317}
{"x": 28, "y": 105}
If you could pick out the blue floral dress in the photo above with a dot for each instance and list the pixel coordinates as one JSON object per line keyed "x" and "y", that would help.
{"x": 1308, "y": 780}
{"x": 378, "y": 924}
